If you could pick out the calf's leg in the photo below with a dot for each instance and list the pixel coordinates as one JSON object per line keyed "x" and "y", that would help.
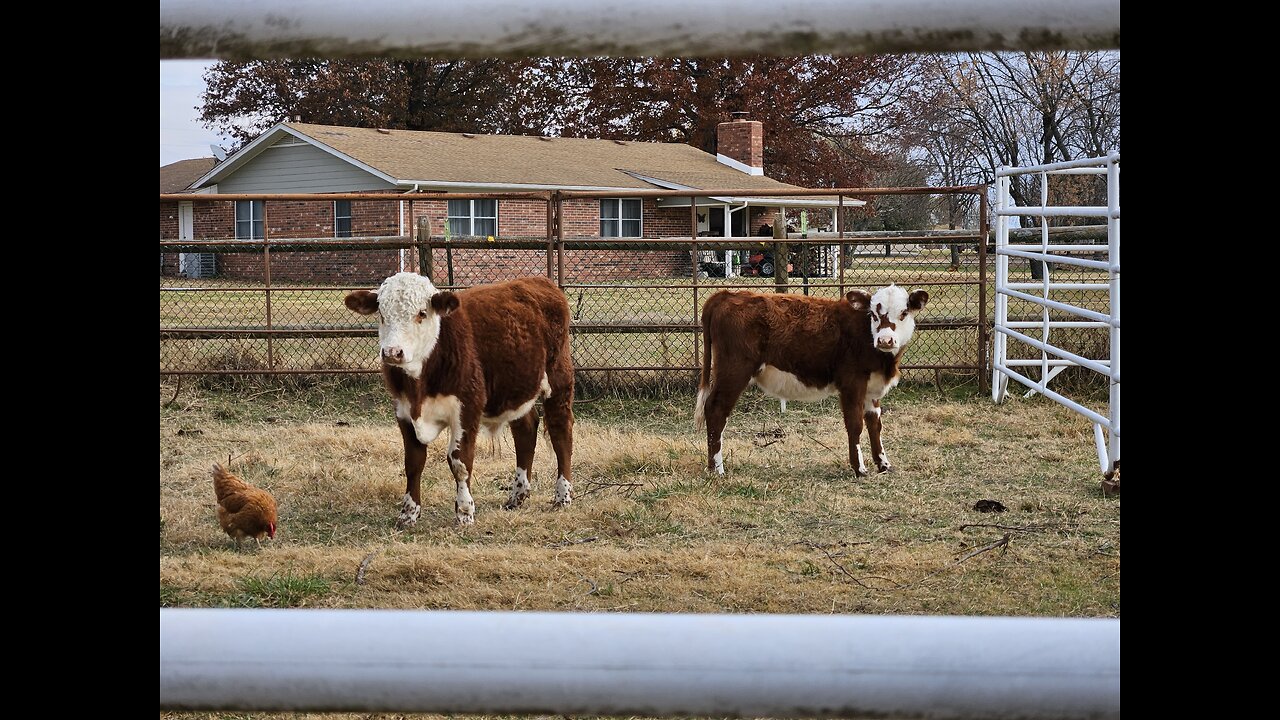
{"x": 558, "y": 410}
{"x": 524, "y": 431}
{"x": 462, "y": 455}
{"x": 727, "y": 385}
{"x": 415, "y": 456}
{"x": 851, "y": 407}
{"x": 872, "y": 416}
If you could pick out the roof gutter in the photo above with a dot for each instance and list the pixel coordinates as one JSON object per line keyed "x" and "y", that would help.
{"x": 775, "y": 202}
{"x": 447, "y": 184}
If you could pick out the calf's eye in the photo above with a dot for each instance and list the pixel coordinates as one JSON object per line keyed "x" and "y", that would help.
{"x": 903, "y": 316}
{"x": 422, "y": 314}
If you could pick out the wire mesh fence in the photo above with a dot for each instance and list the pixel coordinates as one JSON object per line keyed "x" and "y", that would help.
{"x": 256, "y": 285}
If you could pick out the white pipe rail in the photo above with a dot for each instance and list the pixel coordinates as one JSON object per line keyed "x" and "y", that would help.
{"x": 1028, "y": 324}
{"x": 1079, "y": 171}
{"x": 1059, "y": 248}
{"x": 1064, "y": 211}
{"x": 1037, "y": 363}
{"x": 1057, "y": 286}
{"x": 1006, "y": 171}
{"x": 255, "y": 29}
{"x": 780, "y": 666}
{"x": 1064, "y": 259}
{"x": 1064, "y": 307}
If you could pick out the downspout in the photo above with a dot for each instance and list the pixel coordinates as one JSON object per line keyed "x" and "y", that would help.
{"x": 746, "y": 224}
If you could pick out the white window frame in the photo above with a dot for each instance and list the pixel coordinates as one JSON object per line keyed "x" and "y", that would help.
{"x": 251, "y": 221}
{"x": 350, "y": 217}
{"x": 471, "y": 217}
{"x": 620, "y": 219}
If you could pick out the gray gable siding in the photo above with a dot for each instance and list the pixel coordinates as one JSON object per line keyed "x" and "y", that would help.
{"x": 299, "y": 169}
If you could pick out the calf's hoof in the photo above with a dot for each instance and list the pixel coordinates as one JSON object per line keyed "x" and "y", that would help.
{"x": 515, "y": 501}
{"x": 409, "y": 512}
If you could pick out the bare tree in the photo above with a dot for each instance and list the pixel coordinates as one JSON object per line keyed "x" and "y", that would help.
{"x": 994, "y": 109}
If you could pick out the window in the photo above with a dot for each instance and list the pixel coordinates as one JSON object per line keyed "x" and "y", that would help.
{"x": 249, "y": 220}
{"x": 342, "y": 218}
{"x": 620, "y": 218}
{"x": 473, "y": 217}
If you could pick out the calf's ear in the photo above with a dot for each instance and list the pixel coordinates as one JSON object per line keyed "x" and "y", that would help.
{"x": 364, "y": 302}
{"x": 859, "y": 299}
{"x": 444, "y": 303}
{"x": 916, "y": 300}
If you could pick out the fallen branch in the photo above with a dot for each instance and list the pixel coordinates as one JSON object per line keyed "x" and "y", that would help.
{"x": 1028, "y": 528}
{"x": 594, "y": 588}
{"x": 567, "y": 543}
{"x": 766, "y": 444}
{"x": 850, "y": 575}
{"x": 278, "y": 391}
{"x": 842, "y": 543}
{"x": 1002, "y": 542}
{"x": 364, "y": 565}
{"x": 822, "y": 444}
{"x": 598, "y": 485}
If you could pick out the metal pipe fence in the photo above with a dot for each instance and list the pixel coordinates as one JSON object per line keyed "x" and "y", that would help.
{"x": 660, "y": 665}
{"x": 243, "y": 29}
{"x": 272, "y": 304}
{"x": 1095, "y": 304}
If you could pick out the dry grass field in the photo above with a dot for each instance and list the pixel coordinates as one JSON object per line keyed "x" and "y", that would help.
{"x": 787, "y": 530}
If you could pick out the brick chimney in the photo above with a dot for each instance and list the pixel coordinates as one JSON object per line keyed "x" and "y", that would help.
{"x": 740, "y": 145}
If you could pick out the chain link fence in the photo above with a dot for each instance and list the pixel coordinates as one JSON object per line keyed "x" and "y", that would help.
{"x": 270, "y": 300}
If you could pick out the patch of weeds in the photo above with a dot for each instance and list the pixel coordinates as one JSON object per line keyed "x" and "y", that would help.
{"x": 279, "y": 591}
{"x": 643, "y": 522}
{"x": 690, "y": 486}
{"x": 743, "y": 490}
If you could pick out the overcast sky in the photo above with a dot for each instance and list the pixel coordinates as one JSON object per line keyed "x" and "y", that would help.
{"x": 181, "y": 135}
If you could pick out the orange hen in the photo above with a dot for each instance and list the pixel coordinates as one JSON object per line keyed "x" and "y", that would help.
{"x": 243, "y": 510}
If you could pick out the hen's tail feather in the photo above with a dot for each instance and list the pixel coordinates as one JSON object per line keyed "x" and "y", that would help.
{"x": 224, "y": 483}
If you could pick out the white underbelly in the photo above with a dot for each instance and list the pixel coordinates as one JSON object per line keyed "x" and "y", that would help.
{"x": 437, "y": 413}
{"x": 494, "y": 423}
{"x": 786, "y": 386}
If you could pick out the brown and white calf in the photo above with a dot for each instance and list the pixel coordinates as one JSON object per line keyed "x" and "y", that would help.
{"x": 479, "y": 358}
{"x": 805, "y": 348}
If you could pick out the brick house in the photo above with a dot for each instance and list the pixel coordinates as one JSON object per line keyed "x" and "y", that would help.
{"x": 177, "y": 178}
{"x": 306, "y": 158}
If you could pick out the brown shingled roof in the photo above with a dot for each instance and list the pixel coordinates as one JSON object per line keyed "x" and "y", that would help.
{"x": 517, "y": 159}
{"x": 175, "y": 177}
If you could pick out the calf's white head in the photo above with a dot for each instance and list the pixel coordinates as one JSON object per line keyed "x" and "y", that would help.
{"x": 409, "y": 309}
{"x": 892, "y": 312}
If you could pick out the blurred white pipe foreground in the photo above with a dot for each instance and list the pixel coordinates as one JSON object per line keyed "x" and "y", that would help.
{"x": 639, "y": 664}
{"x": 244, "y": 29}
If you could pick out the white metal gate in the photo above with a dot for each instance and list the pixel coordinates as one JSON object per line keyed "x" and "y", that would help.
{"x": 1054, "y": 359}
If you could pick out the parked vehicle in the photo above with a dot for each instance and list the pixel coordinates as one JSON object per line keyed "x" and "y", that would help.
{"x": 760, "y": 263}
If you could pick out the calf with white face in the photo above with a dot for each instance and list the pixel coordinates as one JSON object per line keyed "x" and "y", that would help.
{"x": 893, "y": 321}
{"x": 805, "y": 348}
{"x": 437, "y": 351}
